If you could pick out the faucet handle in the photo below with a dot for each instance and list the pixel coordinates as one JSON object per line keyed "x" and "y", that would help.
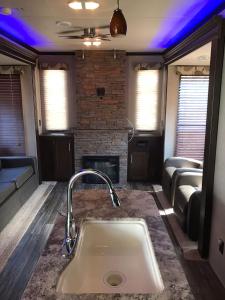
{"x": 115, "y": 198}
{"x": 69, "y": 244}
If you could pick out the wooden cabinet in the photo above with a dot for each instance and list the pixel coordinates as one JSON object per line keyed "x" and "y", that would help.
{"x": 56, "y": 157}
{"x": 145, "y": 158}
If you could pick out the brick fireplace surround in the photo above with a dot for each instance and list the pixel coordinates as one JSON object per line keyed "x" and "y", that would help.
{"x": 102, "y": 124}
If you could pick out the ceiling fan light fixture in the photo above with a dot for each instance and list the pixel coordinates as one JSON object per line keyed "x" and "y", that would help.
{"x": 91, "y": 5}
{"x": 118, "y": 24}
{"x": 75, "y": 5}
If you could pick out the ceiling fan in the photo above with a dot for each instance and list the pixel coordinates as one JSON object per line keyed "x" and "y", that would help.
{"x": 87, "y": 33}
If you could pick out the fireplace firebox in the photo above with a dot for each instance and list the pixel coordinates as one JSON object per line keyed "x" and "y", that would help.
{"x": 107, "y": 164}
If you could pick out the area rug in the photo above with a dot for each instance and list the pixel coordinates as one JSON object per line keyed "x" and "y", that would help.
{"x": 188, "y": 247}
{"x": 11, "y": 235}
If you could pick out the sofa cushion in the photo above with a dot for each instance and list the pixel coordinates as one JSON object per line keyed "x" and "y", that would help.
{"x": 183, "y": 195}
{"x": 17, "y": 175}
{"x": 6, "y": 189}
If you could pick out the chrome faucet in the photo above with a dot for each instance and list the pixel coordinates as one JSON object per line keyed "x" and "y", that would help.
{"x": 71, "y": 233}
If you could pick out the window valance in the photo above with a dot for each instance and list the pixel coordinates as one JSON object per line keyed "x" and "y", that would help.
{"x": 53, "y": 66}
{"x": 192, "y": 70}
{"x": 7, "y": 70}
{"x": 147, "y": 66}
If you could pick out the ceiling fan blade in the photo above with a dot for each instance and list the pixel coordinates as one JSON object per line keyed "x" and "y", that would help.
{"x": 103, "y": 35}
{"x": 72, "y": 37}
{"x": 79, "y": 29}
{"x": 105, "y": 39}
{"x": 102, "y": 27}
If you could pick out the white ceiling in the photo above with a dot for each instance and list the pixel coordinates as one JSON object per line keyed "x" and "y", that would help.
{"x": 8, "y": 61}
{"x": 145, "y": 20}
{"x": 199, "y": 57}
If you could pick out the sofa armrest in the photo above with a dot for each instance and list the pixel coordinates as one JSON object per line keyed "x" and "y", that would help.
{"x": 193, "y": 215}
{"x": 189, "y": 178}
{"x": 175, "y": 177}
{"x": 182, "y": 162}
{"x": 19, "y": 161}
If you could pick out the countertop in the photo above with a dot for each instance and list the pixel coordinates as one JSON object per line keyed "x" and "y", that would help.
{"x": 96, "y": 203}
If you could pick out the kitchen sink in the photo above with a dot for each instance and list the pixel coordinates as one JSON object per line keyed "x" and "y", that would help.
{"x": 112, "y": 256}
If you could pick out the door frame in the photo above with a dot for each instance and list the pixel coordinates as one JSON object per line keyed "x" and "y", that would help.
{"x": 213, "y": 31}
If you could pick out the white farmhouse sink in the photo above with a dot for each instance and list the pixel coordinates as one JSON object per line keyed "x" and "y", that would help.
{"x": 112, "y": 257}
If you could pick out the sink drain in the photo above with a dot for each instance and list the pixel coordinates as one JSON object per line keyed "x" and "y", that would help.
{"x": 114, "y": 279}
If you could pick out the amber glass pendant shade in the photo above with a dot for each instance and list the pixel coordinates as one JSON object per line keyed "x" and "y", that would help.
{"x": 118, "y": 24}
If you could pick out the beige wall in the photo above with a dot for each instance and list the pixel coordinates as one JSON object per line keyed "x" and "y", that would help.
{"x": 132, "y": 61}
{"x": 28, "y": 111}
{"x": 171, "y": 112}
{"x": 216, "y": 259}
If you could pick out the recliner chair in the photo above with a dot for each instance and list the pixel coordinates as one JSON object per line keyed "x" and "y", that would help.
{"x": 187, "y": 200}
{"x": 174, "y": 166}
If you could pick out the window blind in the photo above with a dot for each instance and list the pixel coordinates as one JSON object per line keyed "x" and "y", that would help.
{"x": 54, "y": 90}
{"x": 11, "y": 116}
{"x": 147, "y": 100}
{"x": 191, "y": 117}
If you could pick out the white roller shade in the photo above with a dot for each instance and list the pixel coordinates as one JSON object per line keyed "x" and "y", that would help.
{"x": 54, "y": 94}
{"x": 147, "y": 100}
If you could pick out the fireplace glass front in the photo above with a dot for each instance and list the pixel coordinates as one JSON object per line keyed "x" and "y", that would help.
{"x": 107, "y": 164}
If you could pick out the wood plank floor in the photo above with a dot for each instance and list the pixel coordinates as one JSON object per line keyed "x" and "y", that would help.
{"x": 203, "y": 282}
{"x": 16, "y": 274}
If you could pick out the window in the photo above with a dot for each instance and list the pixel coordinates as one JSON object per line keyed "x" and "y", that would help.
{"x": 191, "y": 117}
{"x": 147, "y": 100}
{"x": 54, "y": 99}
{"x": 11, "y": 116}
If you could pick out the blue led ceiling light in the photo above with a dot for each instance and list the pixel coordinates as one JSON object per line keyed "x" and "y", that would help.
{"x": 13, "y": 26}
{"x": 192, "y": 13}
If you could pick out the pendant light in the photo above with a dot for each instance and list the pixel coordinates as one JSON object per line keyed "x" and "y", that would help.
{"x": 118, "y": 24}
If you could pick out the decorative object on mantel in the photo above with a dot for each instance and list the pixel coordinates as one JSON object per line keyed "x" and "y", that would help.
{"x": 7, "y": 70}
{"x": 53, "y": 66}
{"x": 192, "y": 70}
{"x": 147, "y": 66}
{"x": 100, "y": 92}
{"x": 118, "y": 24}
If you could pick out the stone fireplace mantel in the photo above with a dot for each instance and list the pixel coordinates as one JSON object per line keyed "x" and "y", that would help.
{"x": 102, "y": 143}
{"x": 102, "y": 128}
